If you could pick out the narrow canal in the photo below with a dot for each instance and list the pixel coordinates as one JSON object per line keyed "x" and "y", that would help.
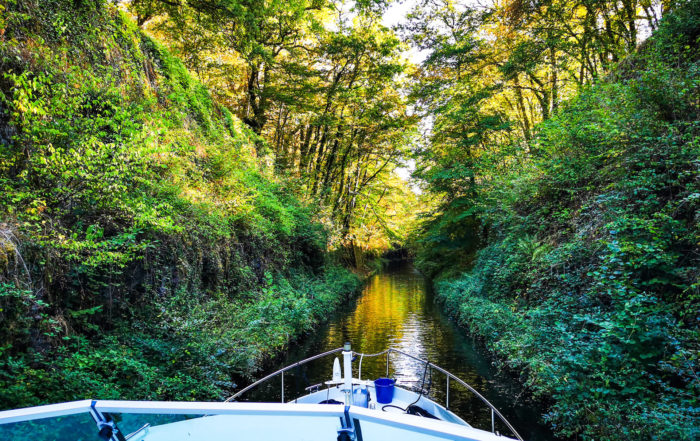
{"x": 397, "y": 309}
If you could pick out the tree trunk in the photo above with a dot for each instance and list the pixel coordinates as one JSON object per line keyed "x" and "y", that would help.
{"x": 304, "y": 149}
{"x": 554, "y": 95}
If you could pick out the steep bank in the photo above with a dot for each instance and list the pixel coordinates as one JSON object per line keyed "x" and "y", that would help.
{"x": 144, "y": 251}
{"x": 586, "y": 283}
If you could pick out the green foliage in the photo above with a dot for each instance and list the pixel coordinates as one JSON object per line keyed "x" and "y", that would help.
{"x": 322, "y": 87}
{"x": 182, "y": 347}
{"x": 588, "y": 281}
{"x": 144, "y": 251}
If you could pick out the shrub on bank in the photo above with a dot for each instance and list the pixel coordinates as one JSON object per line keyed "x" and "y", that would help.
{"x": 588, "y": 285}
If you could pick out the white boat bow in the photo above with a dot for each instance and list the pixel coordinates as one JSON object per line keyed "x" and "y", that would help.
{"x": 343, "y": 409}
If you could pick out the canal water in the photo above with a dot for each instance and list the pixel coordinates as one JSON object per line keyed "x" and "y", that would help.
{"x": 397, "y": 308}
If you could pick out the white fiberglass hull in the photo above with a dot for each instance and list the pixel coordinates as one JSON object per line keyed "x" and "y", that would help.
{"x": 250, "y": 421}
{"x": 313, "y": 428}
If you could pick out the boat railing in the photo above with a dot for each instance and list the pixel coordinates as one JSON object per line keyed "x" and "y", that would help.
{"x": 281, "y": 372}
{"x": 430, "y": 366}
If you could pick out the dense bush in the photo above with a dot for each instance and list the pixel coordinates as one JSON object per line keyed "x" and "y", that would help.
{"x": 588, "y": 283}
{"x": 140, "y": 239}
{"x": 179, "y": 347}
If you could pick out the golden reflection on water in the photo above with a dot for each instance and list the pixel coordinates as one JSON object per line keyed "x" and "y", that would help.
{"x": 397, "y": 309}
{"x": 382, "y": 316}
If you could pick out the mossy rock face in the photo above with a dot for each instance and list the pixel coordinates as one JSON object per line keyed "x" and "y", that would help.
{"x": 8, "y": 251}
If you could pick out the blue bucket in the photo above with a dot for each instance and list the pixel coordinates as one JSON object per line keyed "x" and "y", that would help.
{"x": 385, "y": 390}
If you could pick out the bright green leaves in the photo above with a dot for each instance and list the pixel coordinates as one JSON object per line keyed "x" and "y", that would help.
{"x": 28, "y": 92}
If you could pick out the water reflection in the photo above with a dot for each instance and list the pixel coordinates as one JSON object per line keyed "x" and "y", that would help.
{"x": 397, "y": 308}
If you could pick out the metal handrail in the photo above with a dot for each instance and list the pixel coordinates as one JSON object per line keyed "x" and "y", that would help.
{"x": 460, "y": 381}
{"x": 281, "y": 371}
{"x": 494, "y": 411}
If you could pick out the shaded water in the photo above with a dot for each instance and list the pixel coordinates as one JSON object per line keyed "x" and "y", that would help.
{"x": 397, "y": 308}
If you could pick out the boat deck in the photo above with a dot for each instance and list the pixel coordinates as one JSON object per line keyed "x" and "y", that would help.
{"x": 381, "y": 426}
{"x": 401, "y": 400}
